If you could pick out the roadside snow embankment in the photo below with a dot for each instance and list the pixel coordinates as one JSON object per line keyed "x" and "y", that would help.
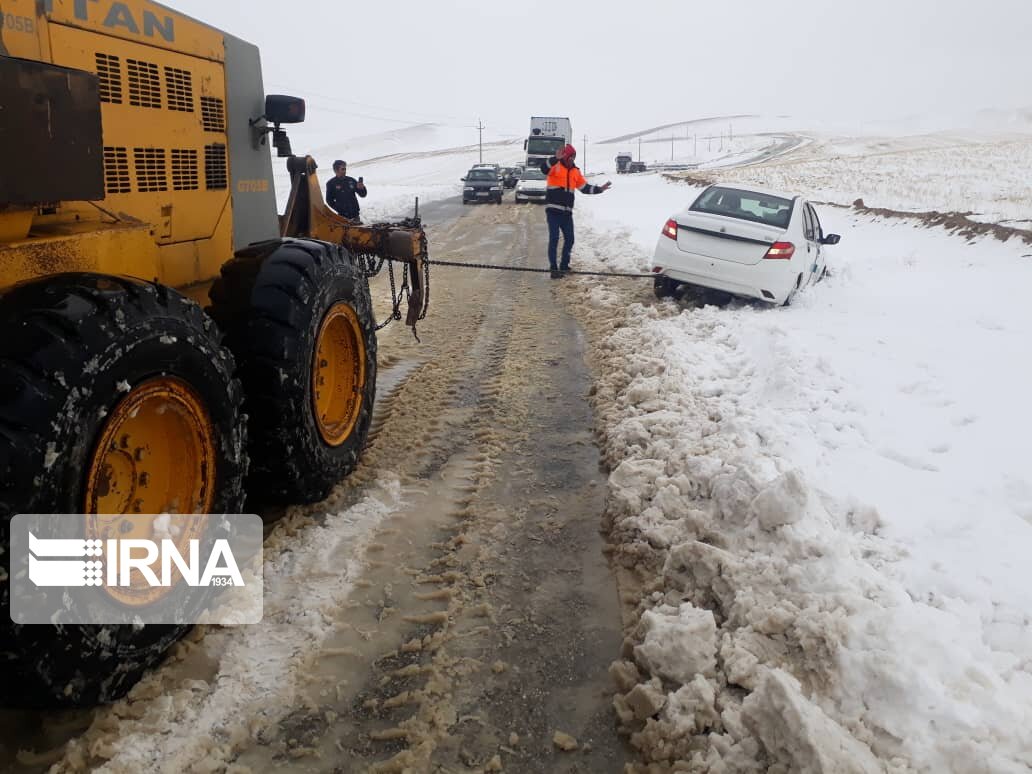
{"x": 827, "y": 507}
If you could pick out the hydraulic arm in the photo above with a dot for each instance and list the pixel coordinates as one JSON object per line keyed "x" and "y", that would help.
{"x": 307, "y": 215}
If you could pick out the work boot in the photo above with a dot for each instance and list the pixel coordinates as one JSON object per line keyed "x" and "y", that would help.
{"x": 556, "y": 274}
{"x": 564, "y": 270}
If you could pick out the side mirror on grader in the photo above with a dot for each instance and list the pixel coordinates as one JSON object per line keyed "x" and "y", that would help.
{"x": 279, "y": 109}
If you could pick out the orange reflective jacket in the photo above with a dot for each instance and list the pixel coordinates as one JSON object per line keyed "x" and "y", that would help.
{"x": 562, "y": 182}
{"x": 568, "y": 179}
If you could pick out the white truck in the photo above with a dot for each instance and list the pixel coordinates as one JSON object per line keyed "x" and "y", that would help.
{"x": 547, "y": 135}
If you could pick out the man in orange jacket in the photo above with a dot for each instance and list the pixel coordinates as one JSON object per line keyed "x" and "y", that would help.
{"x": 563, "y": 179}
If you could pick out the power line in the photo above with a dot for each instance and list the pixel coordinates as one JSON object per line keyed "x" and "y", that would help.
{"x": 332, "y": 98}
{"x": 337, "y": 111}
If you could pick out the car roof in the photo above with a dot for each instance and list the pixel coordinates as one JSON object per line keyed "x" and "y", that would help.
{"x": 758, "y": 189}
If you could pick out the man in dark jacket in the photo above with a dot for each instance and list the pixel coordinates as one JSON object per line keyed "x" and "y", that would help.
{"x": 563, "y": 179}
{"x": 342, "y": 192}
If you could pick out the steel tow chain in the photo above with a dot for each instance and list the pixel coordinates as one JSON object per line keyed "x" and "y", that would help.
{"x": 372, "y": 265}
{"x": 465, "y": 265}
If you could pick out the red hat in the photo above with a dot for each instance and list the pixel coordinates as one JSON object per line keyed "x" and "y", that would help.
{"x": 568, "y": 152}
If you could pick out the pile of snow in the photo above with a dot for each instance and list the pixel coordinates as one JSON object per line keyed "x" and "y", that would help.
{"x": 828, "y": 506}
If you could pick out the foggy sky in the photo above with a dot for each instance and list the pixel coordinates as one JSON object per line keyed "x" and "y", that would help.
{"x": 615, "y": 67}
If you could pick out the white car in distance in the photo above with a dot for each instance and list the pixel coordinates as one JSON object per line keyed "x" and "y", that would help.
{"x": 531, "y": 186}
{"x": 749, "y": 242}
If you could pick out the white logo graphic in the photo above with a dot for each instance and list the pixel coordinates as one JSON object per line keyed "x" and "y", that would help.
{"x": 135, "y": 569}
{"x": 54, "y": 563}
{"x": 64, "y": 571}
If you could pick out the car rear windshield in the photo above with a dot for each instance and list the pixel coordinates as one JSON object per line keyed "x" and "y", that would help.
{"x": 481, "y": 174}
{"x": 745, "y": 205}
{"x": 533, "y": 174}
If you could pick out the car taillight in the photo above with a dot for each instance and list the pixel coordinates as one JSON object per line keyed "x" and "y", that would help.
{"x": 670, "y": 229}
{"x": 780, "y": 251}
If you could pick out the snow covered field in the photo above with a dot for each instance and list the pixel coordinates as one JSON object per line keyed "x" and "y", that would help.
{"x": 833, "y": 497}
{"x": 948, "y": 172}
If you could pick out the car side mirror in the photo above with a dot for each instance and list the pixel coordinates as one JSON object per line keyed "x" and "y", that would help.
{"x": 462, "y": 179}
{"x": 831, "y": 239}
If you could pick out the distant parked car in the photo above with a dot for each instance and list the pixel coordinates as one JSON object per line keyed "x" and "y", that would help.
{"x": 482, "y": 185}
{"x": 531, "y": 187}
{"x": 508, "y": 177}
{"x": 745, "y": 241}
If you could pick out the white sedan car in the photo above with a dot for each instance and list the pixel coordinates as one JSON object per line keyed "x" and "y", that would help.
{"x": 744, "y": 241}
{"x": 531, "y": 186}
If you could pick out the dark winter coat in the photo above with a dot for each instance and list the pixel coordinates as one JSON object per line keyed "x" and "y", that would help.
{"x": 341, "y": 193}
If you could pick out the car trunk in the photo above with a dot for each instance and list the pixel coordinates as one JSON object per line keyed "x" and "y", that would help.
{"x": 725, "y": 238}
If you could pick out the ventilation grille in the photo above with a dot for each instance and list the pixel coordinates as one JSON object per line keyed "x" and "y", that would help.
{"x": 215, "y": 173}
{"x": 144, "y": 84}
{"x": 109, "y": 71}
{"x": 116, "y": 171}
{"x": 151, "y": 174}
{"x": 179, "y": 88}
{"x": 184, "y": 170}
{"x": 213, "y": 114}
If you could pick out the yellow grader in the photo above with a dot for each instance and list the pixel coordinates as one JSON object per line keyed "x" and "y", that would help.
{"x": 136, "y": 182}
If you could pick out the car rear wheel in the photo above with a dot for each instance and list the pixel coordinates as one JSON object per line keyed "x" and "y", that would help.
{"x": 664, "y": 287}
{"x": 798, "y": 284}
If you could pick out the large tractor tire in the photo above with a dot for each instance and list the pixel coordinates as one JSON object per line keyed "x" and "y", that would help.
{"x": 298, "y": 318}
{"x": 115, "y": 397}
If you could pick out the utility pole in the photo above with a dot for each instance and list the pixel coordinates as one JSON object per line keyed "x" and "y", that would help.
{"x": 585, "y": 154}
{"x": 480, "y": 142}
{"x": 639, "y": 147}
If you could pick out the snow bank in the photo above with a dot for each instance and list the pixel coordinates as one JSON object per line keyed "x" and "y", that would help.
{"x": 841, "y": 485}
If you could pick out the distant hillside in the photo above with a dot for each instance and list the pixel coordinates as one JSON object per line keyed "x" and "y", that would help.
{"x": 664, "y": 127}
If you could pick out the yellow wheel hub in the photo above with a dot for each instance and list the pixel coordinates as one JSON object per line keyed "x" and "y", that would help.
{"x": 338, "y": 374}
{"x": 156, "y": 455}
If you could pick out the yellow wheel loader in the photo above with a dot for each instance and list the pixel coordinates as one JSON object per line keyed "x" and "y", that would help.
{"x": 136, "y": 182}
